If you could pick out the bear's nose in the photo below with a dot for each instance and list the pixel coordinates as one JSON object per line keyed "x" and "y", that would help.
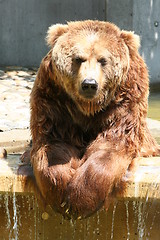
{"x": 89, "y": 87}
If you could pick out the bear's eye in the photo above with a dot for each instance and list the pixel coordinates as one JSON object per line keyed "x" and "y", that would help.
{"x": 79, "y": 60}
{"x": 102, "y": 61}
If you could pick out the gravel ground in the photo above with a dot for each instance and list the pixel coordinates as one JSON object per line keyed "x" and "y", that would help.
{"x": 15, "y": 88}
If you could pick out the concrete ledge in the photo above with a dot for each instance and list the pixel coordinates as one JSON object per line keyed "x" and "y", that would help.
{"x": 145, "y": 182}
{"x": 15, "y": 140}
{"x": 10, "y": 180}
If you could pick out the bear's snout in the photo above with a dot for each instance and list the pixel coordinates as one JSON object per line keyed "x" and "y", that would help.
{"x": 89, "y": 88}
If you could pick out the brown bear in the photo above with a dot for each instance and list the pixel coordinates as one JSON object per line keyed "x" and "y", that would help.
{"x": 88, "y": 115}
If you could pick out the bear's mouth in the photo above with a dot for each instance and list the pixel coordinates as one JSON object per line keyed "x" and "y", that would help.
{"x": 91, "y": 106}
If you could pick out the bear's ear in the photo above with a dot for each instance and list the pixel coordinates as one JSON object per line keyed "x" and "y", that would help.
{"x": 131, "y": 40}
{"x": 54, "y": 32}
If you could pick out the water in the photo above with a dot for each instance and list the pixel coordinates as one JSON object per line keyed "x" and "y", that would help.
{"x": 113, "y": 219}
{"x": 154, "y": 106}
{"x": 127, "y": 220}
{"x": 15, "y": 217}
{"x": 154, "y": 111}
{"x": 6, "y": 200}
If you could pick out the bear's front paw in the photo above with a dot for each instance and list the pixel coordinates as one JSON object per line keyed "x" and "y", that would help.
{"x": 82, "y": 200}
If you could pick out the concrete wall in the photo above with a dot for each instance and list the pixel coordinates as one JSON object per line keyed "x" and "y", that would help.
{"x": 146, "y": 23}
{"x": 23, "y": 26}
{"x": 142, "y": 17}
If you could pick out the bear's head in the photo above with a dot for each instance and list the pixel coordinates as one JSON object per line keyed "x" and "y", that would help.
{"x": 91, "y": 60}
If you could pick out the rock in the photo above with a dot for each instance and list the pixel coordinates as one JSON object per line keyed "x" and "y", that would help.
{"x": 22, "y": 74}
{"x": 1, "y": 73}
{"x": 11, "y": 73}
{"x": 3, "y": 153}
{"x": 45, "y": 216}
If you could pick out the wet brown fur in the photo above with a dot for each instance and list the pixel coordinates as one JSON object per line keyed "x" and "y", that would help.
{"x": 82, "y": 148}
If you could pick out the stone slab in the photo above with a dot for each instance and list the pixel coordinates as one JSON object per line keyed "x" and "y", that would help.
{"x": 15, "y": 140}
{"x": 144, "y": 183}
